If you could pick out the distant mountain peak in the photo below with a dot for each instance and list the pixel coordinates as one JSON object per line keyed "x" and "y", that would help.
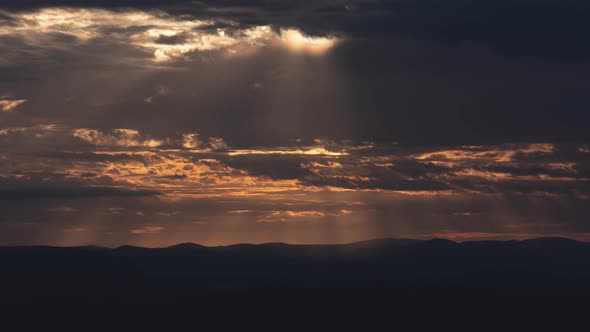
{"x": 186, "y": 246}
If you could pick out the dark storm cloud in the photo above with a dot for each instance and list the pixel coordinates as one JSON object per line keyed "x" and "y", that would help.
{"x": 275, "y": 167}
{"x": 549, "y": 28}
{"x": 92, "y": 157}
{"x": 56, "y": 192}
{"x": 416, "y": 169}
{"x": 40, "y": 188}
{"x": 176, "y": 39}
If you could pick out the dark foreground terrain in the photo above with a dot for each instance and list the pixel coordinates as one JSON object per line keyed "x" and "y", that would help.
{"x": 535, "y": 282}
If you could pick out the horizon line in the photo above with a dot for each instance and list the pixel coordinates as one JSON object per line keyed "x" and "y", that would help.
{"x": 298, "y": 244}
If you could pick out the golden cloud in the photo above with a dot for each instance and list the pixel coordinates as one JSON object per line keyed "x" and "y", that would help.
{"x": 310, "y": 151}
{"x": 8, "y": 105}
{"x": 296, "y": 41}
{"x": 37, "y": 131}
{"x": 117, "y": 138}
{"x": 496, "y": 153}
{"x": 147, "y": 230}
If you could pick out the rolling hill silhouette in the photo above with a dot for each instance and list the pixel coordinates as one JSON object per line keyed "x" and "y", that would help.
{"x": 543, "y": 260}
{"x": 425, "y": 276}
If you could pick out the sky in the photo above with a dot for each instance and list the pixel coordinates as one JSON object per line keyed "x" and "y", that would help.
{"x": 153, "y": 123}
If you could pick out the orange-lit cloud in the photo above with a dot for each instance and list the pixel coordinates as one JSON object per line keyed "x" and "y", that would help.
{"x": 147, "y": 230}
{"x": 312, "y": 151}
{"x": 8, "y": 105}
{"x": 191, "y": 141}
{"x": 263, "y": 216}
{"x": 117, "y": 138}
{"x": 38, "y": 131}
{"x": 487, "y": 153}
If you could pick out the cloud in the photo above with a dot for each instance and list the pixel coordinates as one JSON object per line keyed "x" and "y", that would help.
{"x": 47, "y": 192}
{"x": 63, "y": 209}
{"x": 162, "y": 90}
{"x": 373, "y": 87}
{"x": 21, "y": 179}
{"x": 275, "y": 167}
{"x": 301, "y": 216}
{"x": 117, "y": 138}
{"x": 8, "y": 105}
{"x": 298, "y": 42}
{"x": 148, "y": 230}
{"x": 386, "y": 182}
{"x": 310, "y": 151}
{"x": 166, "y": 36}
{"x": 191, "y": 141}
{"x": 214, "y": 168}
{"x": 187, "y": 164}
{"x": 217, "y": 143}
{"x": 503, "y": 153}
{"x": 550, "y": 29}
{"x": 38, "y": 131}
